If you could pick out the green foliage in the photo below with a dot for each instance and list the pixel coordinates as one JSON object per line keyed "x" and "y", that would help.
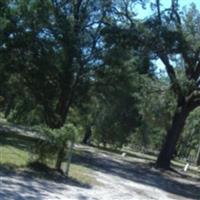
{"x": 45, "y": 47}
{"x": 190, "y": 139}
{"x": 52, "y": 140}
{"x": 90, "y": 62}
{"x": 156, "y": 106}
{"x": 191, "y": 28}
{"x": 117, "y": 86}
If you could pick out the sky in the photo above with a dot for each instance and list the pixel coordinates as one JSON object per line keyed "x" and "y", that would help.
{"x": 165, "y": 4}
{"x": 142, "y": 13}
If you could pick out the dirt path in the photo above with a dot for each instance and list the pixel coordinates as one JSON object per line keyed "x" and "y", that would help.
{"x": 119, "y": 178}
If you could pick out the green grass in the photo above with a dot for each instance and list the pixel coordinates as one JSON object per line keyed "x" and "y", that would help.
{"x": 13, "y": 156}
{"x": 139, "y": 156}
{"x": 193, "y": 170}
{"x": 15, "y": 151}
{"x": 82, "y": 174}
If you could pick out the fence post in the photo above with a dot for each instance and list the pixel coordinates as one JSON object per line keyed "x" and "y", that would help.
{"x": 198, "y": 156}
{"x": 69, "y": 156}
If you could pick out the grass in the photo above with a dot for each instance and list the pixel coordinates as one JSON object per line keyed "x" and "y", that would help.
{"x": 82, "y": 174}
{"x": 147, "y": 158}
{"x": 193, "y": 170}
{"x": 15, "y": 153}
{"x": 13, "y": 156}
{"x": 15, "y": 149}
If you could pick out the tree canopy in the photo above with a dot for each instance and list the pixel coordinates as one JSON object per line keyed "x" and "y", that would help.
{"x": 92, "y": 64}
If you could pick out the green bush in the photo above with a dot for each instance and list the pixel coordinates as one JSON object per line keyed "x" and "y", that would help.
{"x": 52, "y": 140}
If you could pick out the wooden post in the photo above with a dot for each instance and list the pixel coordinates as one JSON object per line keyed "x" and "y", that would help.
{"x": 198, "y": 156}
{"x": 69, "y": 156}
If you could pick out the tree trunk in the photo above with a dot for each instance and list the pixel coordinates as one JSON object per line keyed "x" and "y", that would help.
{"x": 87, "y": 135}
{"x": 59, "y": 159}
{"x": 173, "y": 134}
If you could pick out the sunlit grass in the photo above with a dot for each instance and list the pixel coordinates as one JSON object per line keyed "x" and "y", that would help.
{"x": 13, "y": 156}
{"x": 82, "y": 174}
{"x": 17, "y": 156}
{"x": 16, "y": 152}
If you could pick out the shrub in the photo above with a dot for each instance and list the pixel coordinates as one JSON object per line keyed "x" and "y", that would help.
{"x": 52, "y": 140}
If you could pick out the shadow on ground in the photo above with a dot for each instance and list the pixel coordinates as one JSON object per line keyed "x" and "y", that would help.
{"x": 13, "y": 184}
{"x": 138, "y": 155}
{"x": 37, "y": 188}
{"x": 18, "y": 141}
{"x": 140, "y": 173}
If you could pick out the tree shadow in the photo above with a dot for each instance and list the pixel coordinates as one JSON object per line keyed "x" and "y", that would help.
{"x": 138, "y": 155}
{"x": 137, "y": 172}
{"x": 29, "y": 184}
{"x": 49, "y": 175}
{"x": 18, "y": 141}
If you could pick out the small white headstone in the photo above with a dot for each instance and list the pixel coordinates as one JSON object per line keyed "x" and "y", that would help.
{"x": 123, "y": 154}
{"x": 186, "y": 167}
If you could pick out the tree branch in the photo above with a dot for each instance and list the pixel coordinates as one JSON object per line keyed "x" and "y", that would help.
{"x": 171, "y": 73}
{"x": 193, "y": 100}
{"x": 197, "y": 70}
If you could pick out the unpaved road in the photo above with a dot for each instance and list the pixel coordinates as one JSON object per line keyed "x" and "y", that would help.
{"x": 119, "y": 179}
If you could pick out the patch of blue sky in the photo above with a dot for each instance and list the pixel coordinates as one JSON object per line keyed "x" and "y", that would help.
{"x": 143, "y": 13}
